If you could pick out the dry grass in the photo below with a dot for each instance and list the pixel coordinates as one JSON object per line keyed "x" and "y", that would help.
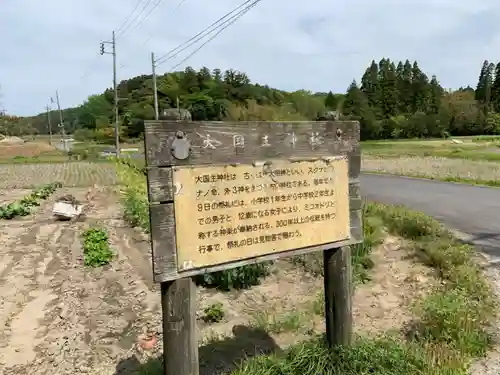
{"x": 478, "y": 148}
{"x": 435, "y": 168}
{"x": 69, "y": 174}
{"x": 27, "y": 150}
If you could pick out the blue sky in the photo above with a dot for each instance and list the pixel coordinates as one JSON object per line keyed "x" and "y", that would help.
{"x": 317, "y": 45}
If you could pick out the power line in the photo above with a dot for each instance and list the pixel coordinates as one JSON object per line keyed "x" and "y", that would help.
{"x": 128, "y": 18}
{"x": 224, "y": 26}
{"x": 200, "y": 35}
{"x": 179, "y": 4}
{"x": 89, "y": 69}
{"x": 91, "y": 64}
{"x": 138, "y": 15}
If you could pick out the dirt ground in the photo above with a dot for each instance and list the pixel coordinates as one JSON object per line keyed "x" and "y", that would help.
{"x": 58, "y": 317}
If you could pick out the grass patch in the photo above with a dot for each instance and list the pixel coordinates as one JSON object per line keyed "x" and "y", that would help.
{"x": 292, "y": 321}
{"x": 452, "y": 325}
{"x": 96, "y": 250}
{"x": 381, "y": 357}
{"x": 460, "y": 180}
{"x": 456, "y": 315}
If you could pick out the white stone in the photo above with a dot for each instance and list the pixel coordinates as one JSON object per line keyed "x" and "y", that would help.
{"x": 67, "y": 210}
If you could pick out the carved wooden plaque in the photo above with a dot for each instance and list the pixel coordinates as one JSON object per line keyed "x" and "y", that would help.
{"x": 232, "y": 212}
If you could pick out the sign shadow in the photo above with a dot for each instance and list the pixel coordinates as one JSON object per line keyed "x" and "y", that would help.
{"x": 216, "y": 357}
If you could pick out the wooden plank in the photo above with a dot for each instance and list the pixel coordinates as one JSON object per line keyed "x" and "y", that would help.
{"x": 180, "y": 342}
{"x": 338, "y": 295}
{"x": 217, "y": 142}
{"x": 160, "y": 185}
{"x": 163, "y": 242}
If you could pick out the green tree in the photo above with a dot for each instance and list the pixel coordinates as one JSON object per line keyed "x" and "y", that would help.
{"x": 480, "y": 94}
{"x": 388, "y": 89}
{"x": 405, "y": 90}
{"x": 420, "y": 90}
{"x": 370, "y": 85}
{"x": 331, "y": 101}
{"x": 435, "y": 95}
{"x": 495, "y": 90}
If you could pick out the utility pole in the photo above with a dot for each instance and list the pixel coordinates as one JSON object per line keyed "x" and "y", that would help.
{"x": 155, "y": 89}
{"x": 61, "y": 121}
{"x": 49, "y": 123}
{"x": 115, "y": 88}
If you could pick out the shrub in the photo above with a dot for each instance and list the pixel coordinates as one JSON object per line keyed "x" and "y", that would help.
{"x": 213, "y": 313}
{"x": 134, "y": 195}
{"x": 236, "y": 278}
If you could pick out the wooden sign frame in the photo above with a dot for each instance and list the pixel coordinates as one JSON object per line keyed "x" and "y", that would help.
{"x": 215, "y": 143}
{"x": 172, "y": 147}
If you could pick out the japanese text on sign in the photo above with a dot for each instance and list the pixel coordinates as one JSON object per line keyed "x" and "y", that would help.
{"x": 228, "y": 213}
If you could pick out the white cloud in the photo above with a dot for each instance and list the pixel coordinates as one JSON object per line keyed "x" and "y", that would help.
{"x": 317, "y": 45}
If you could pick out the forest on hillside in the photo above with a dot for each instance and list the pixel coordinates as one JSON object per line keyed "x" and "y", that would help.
{"x": 391, "y": 100}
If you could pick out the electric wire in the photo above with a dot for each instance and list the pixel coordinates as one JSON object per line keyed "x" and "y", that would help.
{"x": 179, "y": 4}
{"x": 229, "y": 23}
{"x": 146, "y": 4}
{"x": 128, "y": 17}
{"x": 200, "y": 35}
{"x": 117, "y": 31}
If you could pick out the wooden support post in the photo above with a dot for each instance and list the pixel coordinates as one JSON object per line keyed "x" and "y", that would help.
{"x": 180, "y": 343}
{"x": 338, "y": 295}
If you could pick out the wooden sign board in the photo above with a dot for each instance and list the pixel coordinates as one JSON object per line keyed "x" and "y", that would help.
{"x": 226, "y": 194}
{"x": 229, "y": 213}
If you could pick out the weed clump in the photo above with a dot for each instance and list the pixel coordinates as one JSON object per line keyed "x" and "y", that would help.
{"x": 96, "y": 250}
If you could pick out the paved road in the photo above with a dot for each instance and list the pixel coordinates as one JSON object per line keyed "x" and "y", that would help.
{"x": 473, "y": 210}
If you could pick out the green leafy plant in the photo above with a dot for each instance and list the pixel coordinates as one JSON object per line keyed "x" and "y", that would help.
{"x": 96, "y": 250}
{"x": 236, "y": 278}
{"x": 23, "y": 206}
{"x": 213, "y": 313}
{"x": 134, "y": 194}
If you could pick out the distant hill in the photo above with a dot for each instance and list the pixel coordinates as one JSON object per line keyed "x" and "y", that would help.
{"x": 392, "y": 100}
